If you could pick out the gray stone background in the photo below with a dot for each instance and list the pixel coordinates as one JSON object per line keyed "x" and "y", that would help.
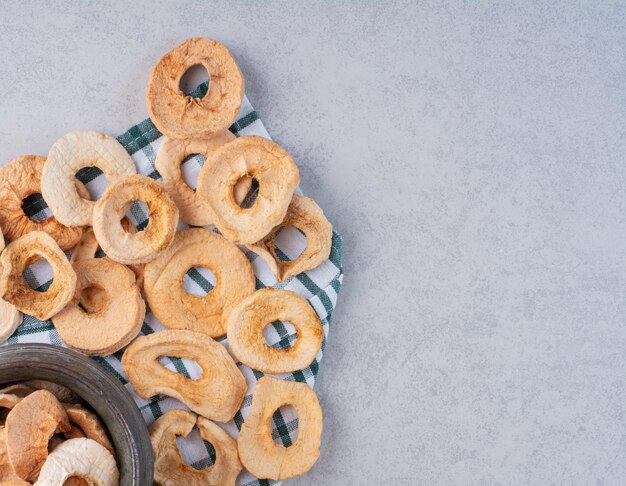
{"x": 472, "y": 154}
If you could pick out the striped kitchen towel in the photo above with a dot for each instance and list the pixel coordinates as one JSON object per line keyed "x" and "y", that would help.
{"x": 320, "y": 286}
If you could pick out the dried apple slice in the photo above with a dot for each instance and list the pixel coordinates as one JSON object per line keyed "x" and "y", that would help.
{"x": 247, "y": 321}
{"x": 178, "y": 309}
{"x": 29, "y": 426}
{"x": 217, "y": 394}
{"x": 169, "y": 467}
{"x": 248, "y": 157}
{"x": 83, "y": 458}
{"x": 17, "y": 256}
{"x": 305, "y": 215}
{"x": 257, "y": 450}
{"x": 143, "y": 246}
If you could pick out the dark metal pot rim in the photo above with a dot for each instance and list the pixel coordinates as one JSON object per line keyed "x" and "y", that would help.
{"x": 99, "y": 388}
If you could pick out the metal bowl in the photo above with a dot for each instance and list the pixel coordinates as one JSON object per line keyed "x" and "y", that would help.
{"x": 96, "y": 386}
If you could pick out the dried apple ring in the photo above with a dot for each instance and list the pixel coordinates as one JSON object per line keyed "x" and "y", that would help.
{"x": 137, "y": 268}
{"x": 180, "y": 116}
{"x": 305, "y": 215}
{"x": 143, "y": 246}
{"x": 250, "y": 317}
{"x": 217, "y": 394}
{"x": 257, "y": 450}
{"x": 15, "y": 482}
{"x": 89, "y": 424}
{"x": 115, "y": 323}
{"x": 17, "y": 256}
{"x": 260, "y": 159}
{"x": 83, "y": 458}
{"x": 241, "y": 190}
{"x": 67, "y": 156}
{"x": 227, "y": 465}
{"x": 193, "y": 209}
{"x": 177, "y": 309}
{"x": 10, "y": 319}
{"x": 169, "y": 467}
{"x": 29, "y": 426}
{"x": 18, "y": 180}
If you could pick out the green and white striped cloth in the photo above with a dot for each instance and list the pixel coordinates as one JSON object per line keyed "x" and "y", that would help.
{"x": 320, "y": 286}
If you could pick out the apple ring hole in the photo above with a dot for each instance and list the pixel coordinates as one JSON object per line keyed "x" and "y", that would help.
{"x": 35, "y": 208}
{"x": 246, "y": 191}
{"x": 85, "y": 177}
{"x": 284, "y": 426}
{"x": 39, "y": 266}
{"x": 290, "y": 242}
{"x": 190, "y": 168}
{"x": 199, "y": 281}
{"x": 195, "y": 81}
{"x": 76, "y": 481}
{"x": 280, "y": 334}
{"x": 93, "y": 299}
{"x": 191, "y": 452}
{"x": 138, "y": 216}
{"x": 186, "y": 367}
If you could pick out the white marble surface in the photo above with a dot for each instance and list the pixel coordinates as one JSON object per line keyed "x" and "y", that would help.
{"x": 473, "y": 156}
